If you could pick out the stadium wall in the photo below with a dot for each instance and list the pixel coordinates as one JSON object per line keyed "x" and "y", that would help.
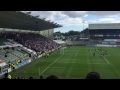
{"x": 47, "y": 33}
{"x": 23, "y": 63}
{"x": 3, "y": 72}
{"x": 102, "y": 45}
{"x": 91, "y": 45}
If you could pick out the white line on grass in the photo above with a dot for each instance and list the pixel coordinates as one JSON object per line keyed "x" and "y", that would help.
{"x": 96, "y": 63}
{"x": 62, "y": 68}
{"x": 51, "y": 64}
{"x": 76, "y": 53}
{"x": 106, "y": 61}
{"x": 73, "y": 60}
{"x": 83, "y": 63}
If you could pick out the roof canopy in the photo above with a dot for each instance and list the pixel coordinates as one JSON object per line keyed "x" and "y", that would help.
{"x": 19, "y": 20}
{"x": 104, "y": 26}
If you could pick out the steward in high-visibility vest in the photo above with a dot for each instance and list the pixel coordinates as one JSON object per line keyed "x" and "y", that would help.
{"x": 10, "y": 64}
{"x": 9, "y": 76}
{"x": 14, "y": 66}
{"x": 16, "y": 62}
{"x": 47, "y": 54}
{"x": 19, "y": 61}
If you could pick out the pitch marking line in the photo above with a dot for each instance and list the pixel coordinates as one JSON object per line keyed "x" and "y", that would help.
{"x": 70, "y": 69}
{"x": 76, "y": 53}
{"x": 51, "y": 64}
{"x": 106, "y": 61}
{"x": 83, "y": 63}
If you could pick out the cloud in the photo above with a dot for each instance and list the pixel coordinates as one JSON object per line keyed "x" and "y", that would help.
{"x": 86, "y": 13}
{"x": 75, "y": 14}
{"x": 56, "y": 14}
{"x": 71, "y": 22}
{"x": 65, "y": 18}
{"x": 74, "y": 18}
{"x": 52, "y": 15}
{"x": 103, "y": 13}
{"x": 49, "y": 15}
{"x": 105, "y": 20}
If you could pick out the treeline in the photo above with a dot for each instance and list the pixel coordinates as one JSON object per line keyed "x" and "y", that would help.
{"x": 72, "y": 32}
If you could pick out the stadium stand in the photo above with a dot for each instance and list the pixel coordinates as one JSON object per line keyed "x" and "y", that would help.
{"x": 20, "y": 48}
{"x": 104, "y": 31}
{"x": 36, "y": 42}
{"x": 33, "y": 41}
{"x": 105, "y": 34}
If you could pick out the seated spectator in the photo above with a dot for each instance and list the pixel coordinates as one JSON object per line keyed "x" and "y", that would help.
{"x": 31, "y": 78}
{"x": 6, "y": 76}
{"x": 52, "y": 77}
{"x": 33, "y": 41}
{"x": 18, "y": 77}
{"x": 41, "y": 77}
{"x": 93, "y": 75}
{"x": 5, "y": 55}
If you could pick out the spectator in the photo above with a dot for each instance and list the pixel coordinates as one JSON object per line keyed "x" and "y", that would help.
{"x": 93, "y": 75}
{"x": 52, "y": 77}
{"x": 41, "y": 77}
{"x": 33, "y": 41}
{"x": 6, "y": 76}
{"x": 31, "y": 78}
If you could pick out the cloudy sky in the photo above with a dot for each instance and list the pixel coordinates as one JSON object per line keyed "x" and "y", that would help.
{"x": 73, "y": 20}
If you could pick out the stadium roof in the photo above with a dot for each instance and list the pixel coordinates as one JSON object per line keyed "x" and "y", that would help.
{"x": 104, "y": 26}
{"x": 19, "y": 20}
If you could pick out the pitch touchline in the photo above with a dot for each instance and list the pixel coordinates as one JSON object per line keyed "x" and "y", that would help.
{"x": 50, "y": 65}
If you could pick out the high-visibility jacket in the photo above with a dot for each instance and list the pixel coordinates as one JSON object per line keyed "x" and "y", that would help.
{"x": 9, "y": 76}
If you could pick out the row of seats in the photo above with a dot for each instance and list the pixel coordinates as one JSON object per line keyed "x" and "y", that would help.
{"x": 12, "y": 56}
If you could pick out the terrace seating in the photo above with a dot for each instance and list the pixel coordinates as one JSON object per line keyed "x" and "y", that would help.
{"x": 12, "y": 56}
{"x": 33, "y": 41}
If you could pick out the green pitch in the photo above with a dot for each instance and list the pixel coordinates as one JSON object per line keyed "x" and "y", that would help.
{"x": 75, "y": 63}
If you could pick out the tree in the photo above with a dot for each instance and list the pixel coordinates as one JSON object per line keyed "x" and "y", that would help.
{"x": 85, "y": 32}
{"x": 72, "y": 33}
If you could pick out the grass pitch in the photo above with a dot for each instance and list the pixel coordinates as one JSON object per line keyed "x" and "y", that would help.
{"x": 75, "y": 63}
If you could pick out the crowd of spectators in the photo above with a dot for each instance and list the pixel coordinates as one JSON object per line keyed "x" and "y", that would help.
{"x": 90, "y": 75}
{"x": 33, "y": 41}
{"x": 102, "y": 34}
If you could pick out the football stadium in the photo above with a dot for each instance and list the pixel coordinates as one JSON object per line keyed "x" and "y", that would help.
{"x": 28, "y": 51}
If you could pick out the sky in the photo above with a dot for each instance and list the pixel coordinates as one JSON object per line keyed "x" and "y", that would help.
{"x": 77, "y": 20}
